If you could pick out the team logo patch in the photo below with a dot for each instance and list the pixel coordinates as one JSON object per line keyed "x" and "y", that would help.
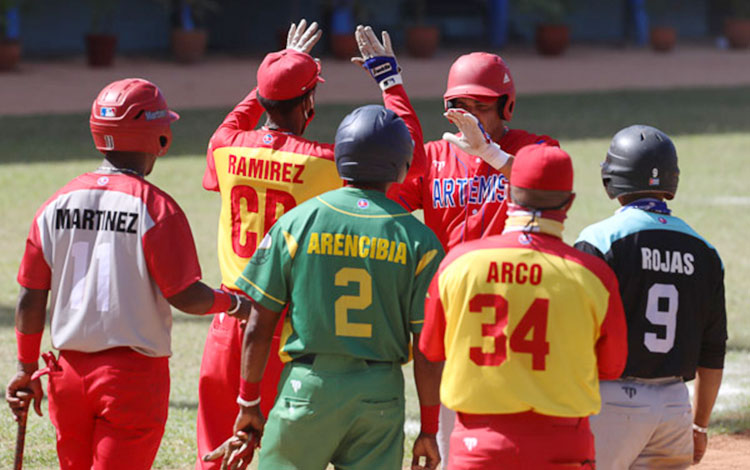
{"x": 654, "y": 180}
{"x": 267, "y": 139}
{"x": 470, "y": 443}
{"x": 662, "y": 220}
{"x": 296, "y": 385}
{"x": 438, "y": 165}
{"x": 102, "y": 180}
{"x": 524, "y": 239}
{"x": 106, "y": 112}
{"x": 363, "y": 203}
{"x": 263, "y": 253}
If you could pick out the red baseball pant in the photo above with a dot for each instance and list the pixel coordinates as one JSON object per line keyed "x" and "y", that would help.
{"x": 219, "y": 385}
{"x": 109, "y": 408}
{"x": 521, "y": 441}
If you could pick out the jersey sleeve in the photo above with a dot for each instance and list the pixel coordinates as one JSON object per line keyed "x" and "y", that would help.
{"x": 170, "y": 254}
{"x": 396, "y": 99}
{"x": 34, "y": 272}
{"x": 713, "y": 345}
{"x": 587, "y": 247}
{"x": 266, "y": 278}
{"x": 244, "y": 117}
{"x": 612, "y": 346}
{"x": 426, "y": 268}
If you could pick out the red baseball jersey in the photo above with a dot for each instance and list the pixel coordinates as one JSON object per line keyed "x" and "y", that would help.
{"x": 110, "y": 246}
{"x": 262, "y": 174}
{"x": 463, "y": 197}
{"x": 524, "y": 323}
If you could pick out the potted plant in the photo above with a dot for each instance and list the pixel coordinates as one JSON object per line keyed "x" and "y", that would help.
{"x": 10, "y": 44}
{"x": 189, "y": 37}
{"x": 101, "y": 42}
{"x": 737, "y": 26}
{"x": 422, "y": 39}
{"x": 552, "y": 33}
{"x": 662, "y": 33}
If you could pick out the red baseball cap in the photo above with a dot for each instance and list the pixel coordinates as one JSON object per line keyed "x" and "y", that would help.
{"x": 542, "y": 167}
{"x": 287, "y": 74}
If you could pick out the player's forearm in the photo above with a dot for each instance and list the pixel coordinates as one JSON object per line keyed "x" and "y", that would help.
{"x": 707, "y": 383}
{"x": 256, "y": 343}
{"x": 426, "y": 377}
{"x": 31, "y": 310}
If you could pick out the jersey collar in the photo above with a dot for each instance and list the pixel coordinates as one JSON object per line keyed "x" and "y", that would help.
{"x": 649, "y": 205}
{"x": 546, "y": 222}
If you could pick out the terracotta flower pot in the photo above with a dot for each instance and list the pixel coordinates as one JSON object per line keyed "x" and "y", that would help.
{"x": 552, "y": 39}
{"x": 100, "y": 49}
{"x": 10, "y": 54}
{"x": 344, "y": 46}
{"x": 189, "y": 46}
{"x": 737, "y": 31}
{"x": 422, "y": 41}
{"x": 663, "y": 38}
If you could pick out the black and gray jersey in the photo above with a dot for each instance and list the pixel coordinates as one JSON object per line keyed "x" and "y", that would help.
{"x": 672, "y": 288}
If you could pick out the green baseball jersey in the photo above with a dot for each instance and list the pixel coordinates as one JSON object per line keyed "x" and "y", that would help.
{"x": 353, "y": 267}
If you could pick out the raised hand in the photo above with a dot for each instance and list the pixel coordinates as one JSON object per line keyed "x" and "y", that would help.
{"x": 474, "y": 140}
{"x": 303, "y": 38}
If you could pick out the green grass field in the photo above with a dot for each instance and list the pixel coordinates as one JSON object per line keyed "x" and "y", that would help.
{"x": 709, "y": 126}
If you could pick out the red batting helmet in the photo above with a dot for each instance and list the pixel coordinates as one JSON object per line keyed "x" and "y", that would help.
{"x": 131, "y": 115}
{"x": 483, "y": 77}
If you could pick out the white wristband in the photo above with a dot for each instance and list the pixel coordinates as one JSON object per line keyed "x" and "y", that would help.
{"x": 246, "y": 403}
{"x": 495, "y": 156}
{"x": 393, "y": 80}
{"x": 700, "y": 429}
{"x": 236, "y": 308}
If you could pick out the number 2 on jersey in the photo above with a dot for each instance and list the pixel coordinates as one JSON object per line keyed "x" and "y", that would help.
{"x": 361, "y": 301}
{"x": 533, "y": 322}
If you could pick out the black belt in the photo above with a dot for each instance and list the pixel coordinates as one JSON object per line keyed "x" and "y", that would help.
{"x": 310, "y": 358}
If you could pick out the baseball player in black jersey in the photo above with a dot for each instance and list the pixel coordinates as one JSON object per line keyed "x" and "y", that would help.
{"x": 672, "y": 287}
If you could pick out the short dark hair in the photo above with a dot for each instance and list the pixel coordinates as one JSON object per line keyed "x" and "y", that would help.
{"x": 282, "y": 106}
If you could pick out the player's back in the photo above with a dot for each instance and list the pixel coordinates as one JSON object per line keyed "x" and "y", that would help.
{"x": 671, "y": 282}
{"x": 523, "y": 314}
{"x": 360, "y": 259}
{"x": 261, "y": 175}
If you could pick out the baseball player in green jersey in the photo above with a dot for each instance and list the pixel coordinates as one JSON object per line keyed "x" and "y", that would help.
{"x": 353, "y": 267}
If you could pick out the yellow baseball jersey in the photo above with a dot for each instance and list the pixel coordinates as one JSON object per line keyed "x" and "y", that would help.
{"x": 524, "y": 322}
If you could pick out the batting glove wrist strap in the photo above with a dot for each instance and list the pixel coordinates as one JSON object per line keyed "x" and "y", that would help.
{"x": 495, "y": 156}
{"x": 29, "y": 346}
{"x": 385, "y": 71}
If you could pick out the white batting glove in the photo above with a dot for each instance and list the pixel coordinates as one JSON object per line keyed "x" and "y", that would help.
{"x": 302, "y": 38}
{"x": 474, "y": 140}
{"x": 377, "y": 58}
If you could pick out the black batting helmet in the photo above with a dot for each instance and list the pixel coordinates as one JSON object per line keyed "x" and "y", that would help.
{"x": 372, "y": 145}
{"x": 640, "y": 159}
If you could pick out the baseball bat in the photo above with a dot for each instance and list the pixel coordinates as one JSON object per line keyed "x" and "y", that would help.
{"x": 21, "y": 437}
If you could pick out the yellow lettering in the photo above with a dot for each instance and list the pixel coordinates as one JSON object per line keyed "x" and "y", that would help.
{"x": 364, "y": 251}
{"x": 400, "y": 253}
{"x": 313, "y": 246}
{"x": 373, "y": 246}
{"x": 382, "y": 249}
{"x": 326, "y": 243}
{"x": 338, "y": 244}
{"x": 392, "y": 251}
{"x": 350, "y": 246}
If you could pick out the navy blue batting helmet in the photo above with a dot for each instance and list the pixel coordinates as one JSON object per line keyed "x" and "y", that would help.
{"x": 372, "y": 145}
{"x": 640, "y": 159}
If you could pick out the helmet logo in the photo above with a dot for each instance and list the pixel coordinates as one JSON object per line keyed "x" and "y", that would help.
{"x": 363, "y": 203}
{"x": 151, "y": 115}
{"x": 107, "y": 112}
{"x": 506, "y": 79}
{"x": 654, "y": 180}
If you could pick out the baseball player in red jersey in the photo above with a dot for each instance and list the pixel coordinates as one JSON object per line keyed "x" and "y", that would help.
{"x": 464, "y": 191}
{"x": 525, "y": 324}
{"x": 114, "y": 251}
{"x": 262, "y": 174}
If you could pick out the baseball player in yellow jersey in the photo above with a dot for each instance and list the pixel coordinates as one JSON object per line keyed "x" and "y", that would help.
{"x": 262, "y": 174}
{"x": 526, "y": 326}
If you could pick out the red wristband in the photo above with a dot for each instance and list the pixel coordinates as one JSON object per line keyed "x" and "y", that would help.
{"x": 29, "y": 346}
{"x": 222, "y": 302}
{"x": 249, "y": 391}
{"x": 429, "y": 416}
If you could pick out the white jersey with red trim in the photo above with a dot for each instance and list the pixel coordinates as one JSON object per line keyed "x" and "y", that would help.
{"x": 110, "y": 247}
